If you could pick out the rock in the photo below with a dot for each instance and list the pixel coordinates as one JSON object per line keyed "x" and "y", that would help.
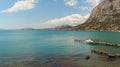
{"x": 87, "y": 57}
{"x": 104, "y": 17}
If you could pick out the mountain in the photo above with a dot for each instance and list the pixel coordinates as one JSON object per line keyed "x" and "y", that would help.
{"x": 104, "y": 17}
{"x": 28, "y": 29}
{"x": 63, "y": 27}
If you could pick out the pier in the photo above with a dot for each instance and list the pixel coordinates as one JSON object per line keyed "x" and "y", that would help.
{"x": 109, "y": 54}
{"x": 102, "y": 52}
{"x": 91, "y": 42}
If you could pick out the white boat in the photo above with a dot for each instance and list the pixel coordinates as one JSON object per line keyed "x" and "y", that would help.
{"x": 88, "y": 41}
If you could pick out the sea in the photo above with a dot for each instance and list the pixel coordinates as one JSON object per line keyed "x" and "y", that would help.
{"x": 52, "y": 48}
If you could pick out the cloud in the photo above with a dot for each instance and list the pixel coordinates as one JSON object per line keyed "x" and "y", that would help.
{"x": 21, "y": 5}
{"x": 84, "y": 8}
{"x": 71, "y": 2}
{"x": 90, "y": 4}
{"x": 93, "y": 2}
{"x": 73, "y": 20}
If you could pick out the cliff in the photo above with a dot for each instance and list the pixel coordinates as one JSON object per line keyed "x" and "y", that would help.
{"x": 104, "y": 17}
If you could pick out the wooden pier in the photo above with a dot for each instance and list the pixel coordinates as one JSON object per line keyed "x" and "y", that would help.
{"x": 102, "y": 52}
{"x": 105, "y": 52}
{"x": 97, "y": 43}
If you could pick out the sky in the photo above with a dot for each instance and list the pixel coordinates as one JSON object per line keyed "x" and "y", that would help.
{"x": 16, "y": 14}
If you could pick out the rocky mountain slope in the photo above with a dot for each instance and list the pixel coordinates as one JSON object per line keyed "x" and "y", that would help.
{"x": 104, "y": 17}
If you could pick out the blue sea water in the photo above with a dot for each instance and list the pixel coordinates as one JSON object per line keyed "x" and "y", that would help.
{"x": 51, "y": 48}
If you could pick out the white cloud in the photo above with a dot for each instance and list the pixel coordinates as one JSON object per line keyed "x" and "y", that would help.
{"x": 93, "y": 2}
{"x": 71, "y": 2}
{"x": 21, "y": 5}
{"x": 73, "y": 20}
{"x": 89, "y": 4}
{"x": 84, "y": 8}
